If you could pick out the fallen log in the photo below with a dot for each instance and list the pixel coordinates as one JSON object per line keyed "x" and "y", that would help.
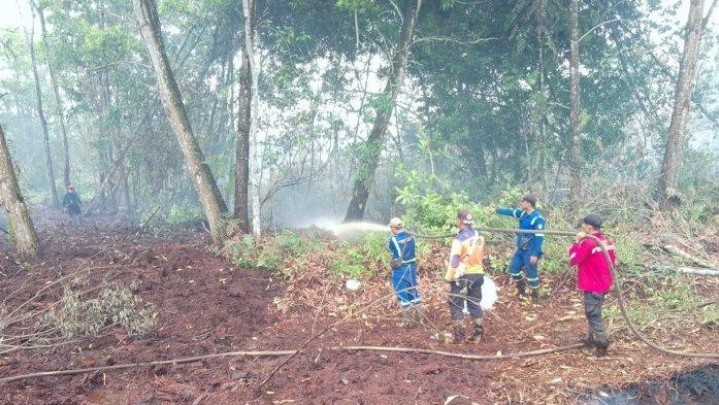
{"x": 690, "y": 270}
{"x": 678, "y": 252}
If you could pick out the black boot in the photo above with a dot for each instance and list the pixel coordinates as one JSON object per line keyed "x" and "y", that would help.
{"x": 458, "y": 329}
{"x": 589, "y": 340}
{"x": 521, "y": 288}
{"x": 477, "y": 332}
{"x": 601, "y": 342}
{"x": 535, "y": 295}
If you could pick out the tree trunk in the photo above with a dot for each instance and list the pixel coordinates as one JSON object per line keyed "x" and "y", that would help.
{"x": 542, "y": 113}
{"x": 575, "y": 159}
{"x": 106, "y": 178}
{"x": 60, "y": 110}
{"x": 242, "y": 150}
{"x": 214, "y": 206}
{"x": 248, "y": 7}
{"x": 21, "y": 226}
{"x": 668, "y": 186}
{"x": 375, "y": 142}
{"x": 43, "y": 122}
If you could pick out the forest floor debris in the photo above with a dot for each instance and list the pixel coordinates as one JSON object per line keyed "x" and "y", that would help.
{"x": 203, "y": 307}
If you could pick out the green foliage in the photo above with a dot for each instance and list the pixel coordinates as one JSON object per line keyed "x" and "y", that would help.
{"x": 350, "y": 263}
{"x": 362, "y": 258}
{"x": 665, "y": 301}
{"x": 631, "y": 253}
{"x": 381, "y": 103}
{"x": 673, "y": 293}
{"x": 287, "y": 253}
{"x": 180, "y": 214}
{"x": 554, "y": 260}
{"x": 273, "y": 253}
{"x": 242, "y": 250}
{"x": 354, "y": 5}
{"x": 428, "y": 210}
{"x": 709, "y": 316}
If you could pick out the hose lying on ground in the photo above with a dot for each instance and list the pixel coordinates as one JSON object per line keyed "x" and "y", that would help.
{"x": 616, "y": 289}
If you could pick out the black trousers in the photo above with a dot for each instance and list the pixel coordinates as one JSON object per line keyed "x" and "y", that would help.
{"x": 467, "y": 288}
{"x": 593, "y": 303}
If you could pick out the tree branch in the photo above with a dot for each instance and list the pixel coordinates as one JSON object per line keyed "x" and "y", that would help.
{"x": 454, "y": 40}
{"x": 705, "y": 21}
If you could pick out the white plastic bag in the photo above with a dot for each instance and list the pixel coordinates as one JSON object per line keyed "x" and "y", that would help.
{"x": 489, "y": 293}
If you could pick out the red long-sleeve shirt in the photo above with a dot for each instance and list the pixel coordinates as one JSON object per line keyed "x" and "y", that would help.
{"x": 593, "y": 272}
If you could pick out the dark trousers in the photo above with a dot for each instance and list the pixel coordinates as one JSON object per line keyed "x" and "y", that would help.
{"x": 467, "y": 288}
{"x": 593, "y": 303}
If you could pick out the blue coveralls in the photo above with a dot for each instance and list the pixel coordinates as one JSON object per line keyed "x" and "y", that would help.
{"x": 404, "y": 277}
{"x": 527, "y": 245}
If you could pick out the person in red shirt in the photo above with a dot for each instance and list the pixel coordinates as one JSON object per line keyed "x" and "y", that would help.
{"x": 594, "y": 276}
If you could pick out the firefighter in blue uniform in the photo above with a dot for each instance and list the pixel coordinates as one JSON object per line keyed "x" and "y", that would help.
{"x": 529, "y": 246}
{"x": 404, "y": 272}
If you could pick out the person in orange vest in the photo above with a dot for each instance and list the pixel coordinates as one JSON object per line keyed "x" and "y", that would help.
{"x": 464, "y": 277}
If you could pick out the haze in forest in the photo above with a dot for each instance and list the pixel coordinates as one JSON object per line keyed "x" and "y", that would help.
{"x": 350, "y": 111}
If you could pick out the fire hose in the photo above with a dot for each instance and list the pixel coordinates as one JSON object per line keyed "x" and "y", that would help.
{"x": 617, "y": 291}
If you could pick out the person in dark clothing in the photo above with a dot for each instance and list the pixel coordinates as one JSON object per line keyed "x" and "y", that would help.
{"x": 71, "y": 204}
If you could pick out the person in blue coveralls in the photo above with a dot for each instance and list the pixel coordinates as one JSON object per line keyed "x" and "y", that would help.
{"x": 404, "y": 272}
{"x": 524, "y": 267}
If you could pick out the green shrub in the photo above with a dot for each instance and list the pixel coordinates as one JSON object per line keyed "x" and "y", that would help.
{"x": 363, "y": 257}
{"x": 273, "y": 252}
{"x": 243, "y": 250}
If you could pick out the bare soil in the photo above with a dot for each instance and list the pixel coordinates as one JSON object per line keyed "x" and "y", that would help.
{"x": 210, "y": 313}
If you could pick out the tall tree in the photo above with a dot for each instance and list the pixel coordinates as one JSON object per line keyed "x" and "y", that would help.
{"x": 242, "y": 147}
{"x": 43, "y": 121}
{"x": 575, "y": 153}
{"x": 668, "y": 187}
{"x": 540, "y": 110}
{"x": 373, "y": 146}
{"x": 58, "y": 101}
{"x": 22, "y": 227}
{"x": 212, "y": 202}
{"x": 248, "y": 7}
{"x": 244, "y": 122}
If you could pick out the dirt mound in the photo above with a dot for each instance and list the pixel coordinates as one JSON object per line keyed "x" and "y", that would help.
{"x": 225, "y": 335}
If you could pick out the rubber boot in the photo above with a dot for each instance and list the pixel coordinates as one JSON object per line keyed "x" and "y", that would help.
{"x": 521, "y": 288}
{"x": 534, "y": 295}
{"x": 458, "y": 329}
{"x": 477, "y": 332}
{"x": 407, "y": 316}
{"x": 601, "y": 342}
{"x": 589, "y": 340}
{"x": 418, "y": 315}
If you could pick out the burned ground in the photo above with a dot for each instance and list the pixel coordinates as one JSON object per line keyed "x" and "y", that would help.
{"x": 223, "y": 334}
